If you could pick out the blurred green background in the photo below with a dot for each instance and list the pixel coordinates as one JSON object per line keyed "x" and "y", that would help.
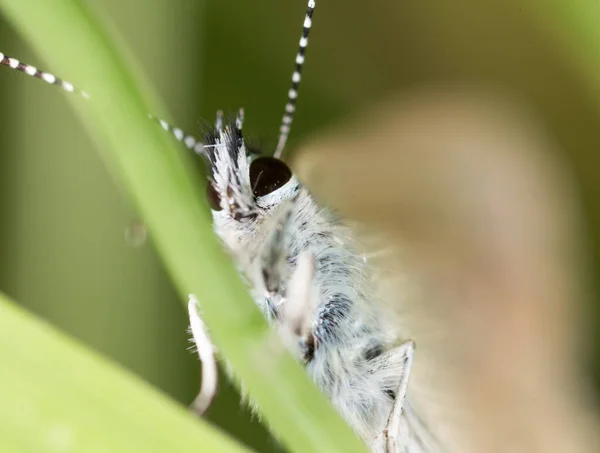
{"x": 63, "y": 247}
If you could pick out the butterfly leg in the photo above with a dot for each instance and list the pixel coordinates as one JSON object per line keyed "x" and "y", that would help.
{"x": 298, "y": 312}
{"x": 272, "y": 259}
{"x": 206, "y": 353}
{"x": 295, "y": 308}
{"x": 401, "y": 355}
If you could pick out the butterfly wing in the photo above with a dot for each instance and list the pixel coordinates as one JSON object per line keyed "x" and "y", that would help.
{"x": 475, "y": 217}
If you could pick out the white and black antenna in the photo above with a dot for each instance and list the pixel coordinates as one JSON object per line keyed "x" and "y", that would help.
{"x": 290, "y": 107}
{"x": 47, "y": 77}
{"x": 190, "y": 142}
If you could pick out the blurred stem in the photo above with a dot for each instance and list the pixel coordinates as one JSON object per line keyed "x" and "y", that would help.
{"x": 160, "y": 183}
{"x": 57, "y": 395}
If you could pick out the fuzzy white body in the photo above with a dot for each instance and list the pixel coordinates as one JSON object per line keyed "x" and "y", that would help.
{"x": 350, "y": 363}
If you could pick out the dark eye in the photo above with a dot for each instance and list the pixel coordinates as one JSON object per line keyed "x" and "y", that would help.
{"x": 214, "y": 199}
{"x": 268, "y": 174}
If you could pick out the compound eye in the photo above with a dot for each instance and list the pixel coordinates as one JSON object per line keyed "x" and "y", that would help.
{"x": 268, "y": 174}
{"x": 213, "y": 197}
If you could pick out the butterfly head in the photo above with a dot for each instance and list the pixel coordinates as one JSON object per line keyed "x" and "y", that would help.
{"x": 244, "y": 187}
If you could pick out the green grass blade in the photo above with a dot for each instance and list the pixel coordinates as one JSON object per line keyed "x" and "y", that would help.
{"x": 56, "y": 395}
{"x": 157, "y": 178}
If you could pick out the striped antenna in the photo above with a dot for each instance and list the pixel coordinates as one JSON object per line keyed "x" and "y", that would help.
{"x": 12, "y": 63}
{"x": 47, "y": 77}
{"x": 290, "y": 108}
{"x": 189, "y": 141}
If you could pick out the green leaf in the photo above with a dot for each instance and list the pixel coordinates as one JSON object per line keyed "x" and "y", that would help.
{"x": 158, "y": 179}
{"x": 57, "y": 396}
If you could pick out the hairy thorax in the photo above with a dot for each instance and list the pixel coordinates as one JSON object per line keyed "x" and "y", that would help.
{"x": 346, "y": 325}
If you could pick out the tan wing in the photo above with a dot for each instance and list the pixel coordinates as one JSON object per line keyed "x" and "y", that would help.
{"x": 481, "y": 235}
